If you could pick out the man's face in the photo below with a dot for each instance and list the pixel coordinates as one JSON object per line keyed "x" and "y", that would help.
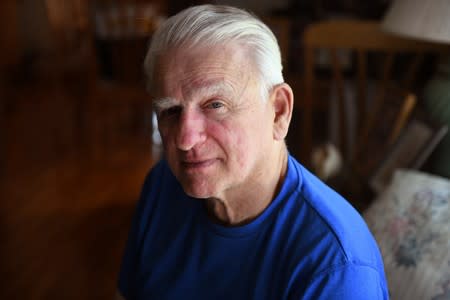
{"x": 216, "y": 129}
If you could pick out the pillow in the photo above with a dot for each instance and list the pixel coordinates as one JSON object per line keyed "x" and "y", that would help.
{"x": 411, "y": 223}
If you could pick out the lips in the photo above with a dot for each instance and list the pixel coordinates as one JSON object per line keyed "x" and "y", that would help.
{"x": 197, "y": 164}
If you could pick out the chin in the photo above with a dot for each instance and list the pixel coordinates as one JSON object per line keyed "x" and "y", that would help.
{"x": 197, "y": 194}
{"x": 198, "y": 190}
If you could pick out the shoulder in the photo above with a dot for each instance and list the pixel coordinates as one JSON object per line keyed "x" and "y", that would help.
{"x": 331, "y": 232}
{"x": 350, "y": 281}
{"x": 336, "y": 216}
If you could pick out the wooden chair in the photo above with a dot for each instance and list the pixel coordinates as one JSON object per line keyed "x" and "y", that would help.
{"x": 359, "y": 58}
{"x": 362, "y": 82}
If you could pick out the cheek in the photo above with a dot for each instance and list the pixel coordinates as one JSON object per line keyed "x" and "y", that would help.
{"x": 235, "y": 142}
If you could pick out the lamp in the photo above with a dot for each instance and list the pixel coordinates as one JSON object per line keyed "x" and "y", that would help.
{"x": 421, "y": 19}
{"x": 428, "y": 20}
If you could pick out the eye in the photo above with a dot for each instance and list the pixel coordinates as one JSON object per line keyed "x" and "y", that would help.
{"x": 216, "y": 108}
{"x": 215, "y": 105}
{"x": 170, "y": 112}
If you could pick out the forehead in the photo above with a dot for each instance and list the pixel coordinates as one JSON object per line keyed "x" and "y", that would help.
{"x": 219, "y": 67}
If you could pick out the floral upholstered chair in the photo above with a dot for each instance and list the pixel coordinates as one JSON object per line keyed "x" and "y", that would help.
{"x": 411, "y": 222}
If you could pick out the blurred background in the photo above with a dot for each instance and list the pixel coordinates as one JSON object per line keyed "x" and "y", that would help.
{"x": 76, "y": 132}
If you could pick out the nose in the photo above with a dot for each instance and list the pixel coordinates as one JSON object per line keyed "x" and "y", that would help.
{"x": 191, "y": 130}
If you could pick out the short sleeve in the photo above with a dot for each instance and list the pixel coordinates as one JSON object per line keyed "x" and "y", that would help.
{"x": 350, "y": 282}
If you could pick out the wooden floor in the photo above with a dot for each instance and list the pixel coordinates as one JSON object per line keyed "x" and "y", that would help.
{"x": 64, "y": 212}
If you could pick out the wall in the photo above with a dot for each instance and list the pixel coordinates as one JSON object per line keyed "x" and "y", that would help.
{"x": 260, "y": 7}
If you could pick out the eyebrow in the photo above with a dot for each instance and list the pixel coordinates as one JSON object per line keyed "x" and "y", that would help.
{"x": 161, "y": 104}
{"x": 207, "y": 88}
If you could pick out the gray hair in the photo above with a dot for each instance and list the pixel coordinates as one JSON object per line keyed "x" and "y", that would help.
{"x": 210, "y": 25}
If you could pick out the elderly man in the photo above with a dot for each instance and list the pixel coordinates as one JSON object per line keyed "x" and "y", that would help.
{"x": 228, "y": 213}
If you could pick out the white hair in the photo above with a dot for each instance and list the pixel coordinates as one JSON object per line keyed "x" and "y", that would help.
{"x": 210, "y": 25}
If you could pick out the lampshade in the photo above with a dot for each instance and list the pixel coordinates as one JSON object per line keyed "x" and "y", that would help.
{"x": 421, "y": 19}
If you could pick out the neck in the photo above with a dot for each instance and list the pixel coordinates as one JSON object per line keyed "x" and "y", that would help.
{"x": 247, "y": 203}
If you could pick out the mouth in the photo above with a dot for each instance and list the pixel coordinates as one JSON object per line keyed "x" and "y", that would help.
{"x": 197, "y": 164}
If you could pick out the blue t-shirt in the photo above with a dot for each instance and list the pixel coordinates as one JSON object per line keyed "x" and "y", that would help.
{"x": 309, "y": 243}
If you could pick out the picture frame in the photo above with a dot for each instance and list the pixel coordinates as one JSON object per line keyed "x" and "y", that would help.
{"x": 414, "y": 145}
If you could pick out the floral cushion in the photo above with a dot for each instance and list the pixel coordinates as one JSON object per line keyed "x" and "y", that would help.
{"x": 411, "y": 222}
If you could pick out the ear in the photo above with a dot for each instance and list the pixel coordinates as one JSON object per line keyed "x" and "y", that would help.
{"x": 282, "y": 99}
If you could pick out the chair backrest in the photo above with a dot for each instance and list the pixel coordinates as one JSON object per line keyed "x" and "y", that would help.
{"x": 361, "y": 57}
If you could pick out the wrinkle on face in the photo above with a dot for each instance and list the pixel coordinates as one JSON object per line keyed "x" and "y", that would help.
{"x": 237, "y": 137}
{"x": 184, "y": 70}
{"x": 208, "y": 89}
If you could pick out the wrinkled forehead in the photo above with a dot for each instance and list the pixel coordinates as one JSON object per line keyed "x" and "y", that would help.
{"x": 199, "y": 90}
{"x": 224, "y": 66}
